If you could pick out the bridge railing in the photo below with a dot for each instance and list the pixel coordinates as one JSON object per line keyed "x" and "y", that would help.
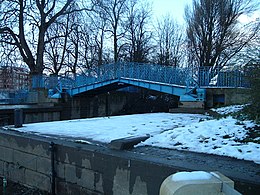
{"x": 147, "y": 72}
{"x": 222, "y": 77}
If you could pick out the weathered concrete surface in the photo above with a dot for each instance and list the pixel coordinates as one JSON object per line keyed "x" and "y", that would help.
{"x": 115, "y": 103}
{"x": 229, "y": 95}
{"x": 96, "y": 169}
{"x": 31, "y": 113}
{"x": 127, "y": 143}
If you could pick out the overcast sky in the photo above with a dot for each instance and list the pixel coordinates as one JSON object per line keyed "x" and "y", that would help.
{"x": 173, "y": 7}
{"x": 176, "y": 9}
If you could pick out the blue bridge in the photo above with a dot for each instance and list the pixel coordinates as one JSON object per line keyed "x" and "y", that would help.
{"x": 181, "y": 82}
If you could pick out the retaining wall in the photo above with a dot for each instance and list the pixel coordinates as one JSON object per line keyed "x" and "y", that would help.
{"x": 79, "y": 169}
{"x": 31, "y": 114}
{"x": 226, "y": 96}
{"x": 96, "y": 169}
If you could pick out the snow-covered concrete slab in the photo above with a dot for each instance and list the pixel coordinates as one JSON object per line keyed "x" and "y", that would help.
{"x": 191, "y": 132}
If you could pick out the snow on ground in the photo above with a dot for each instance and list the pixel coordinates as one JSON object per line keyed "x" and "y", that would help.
{"x": 228, "y": 109}
{"x": 210, "y": 136}
{"x": 105, "y": 129}
{"x": 191, "y": 132}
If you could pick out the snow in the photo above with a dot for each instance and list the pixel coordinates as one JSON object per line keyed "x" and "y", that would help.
{"x": 195, "y": 175}
{"x": 228, "y": 109}
{"x": 190, "y": 132}
{"x": 214, "y": 80}
{"x": 3, "y": 95}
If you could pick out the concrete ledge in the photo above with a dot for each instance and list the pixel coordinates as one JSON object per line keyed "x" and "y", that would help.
{"x": 126, "y": 143}
{"x": 200, "y": 105}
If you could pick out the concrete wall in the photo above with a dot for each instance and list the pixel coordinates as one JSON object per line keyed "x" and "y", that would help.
{"x": 87, "y": 169}
{"x": 117, "y": 102}
{"x": 31, "y": 114}
{"x": 80, "y": 169}
{"x": 230, "y": 96}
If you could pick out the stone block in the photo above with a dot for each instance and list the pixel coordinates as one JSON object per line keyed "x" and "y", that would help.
{"x": 22, "y": 159}
{"x": 68, "y": 188}
{"x": 121, "y": 182}
{"x": 43, "y": 165}
{"x": 74, "y": 156}
{"x": 4, "y": 141}
{"x": 46, "y": 116}
{"x": 26, "y": 144}
{"x": 86, "y": 163}
{"x": 6, "y": 154}
{"x": 56, "y": 116}
{"x": 85, "y": 178}
{"x": 16, "y": 174}
{"x": 1, "y": 168}
{"x": 13, "y": 172}
{"x": 60, "y": 170}
{"x": 98, "y": 182}
{"x": 38, "y": 180}
{"x": 84, "y": 191}
{"x": 70, "y": 173}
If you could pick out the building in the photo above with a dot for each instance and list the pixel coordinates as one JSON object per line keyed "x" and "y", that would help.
{"x": 13, "y": 78}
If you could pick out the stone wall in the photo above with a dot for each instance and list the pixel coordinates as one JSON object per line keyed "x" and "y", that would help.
{"x": 95, "y": 169}
{"x": 226, "y": 96}
{"x": 116, "y": 103}
{"x": 31, "y": 114}
{"x": 80, "y": 169}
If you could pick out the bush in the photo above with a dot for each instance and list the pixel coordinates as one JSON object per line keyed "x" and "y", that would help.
{"x": 253, "y": 110}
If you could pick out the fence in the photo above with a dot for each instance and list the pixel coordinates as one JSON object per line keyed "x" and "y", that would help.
{"x": 206, "y": 77}
{"x": 209, "y": 77}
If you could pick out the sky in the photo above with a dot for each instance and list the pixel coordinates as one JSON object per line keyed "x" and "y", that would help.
{"x": 176, "y": 9}
{"x": 173, "y": 7}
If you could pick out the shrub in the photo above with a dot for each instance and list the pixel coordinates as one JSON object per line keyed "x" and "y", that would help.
{"x": 253, "y": 110}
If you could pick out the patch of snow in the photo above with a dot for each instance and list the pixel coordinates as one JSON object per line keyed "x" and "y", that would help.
{"x": 105, "y": 129}
{"x": 214, "y": 80}
{"x": 195, "y": 175}
{"x": 4, "y": 95}
{"x": 228, "y": 109}
{"x": 190, "y": 132}
{"x": 215, "y": 174}
{"x": 211, "y": 136}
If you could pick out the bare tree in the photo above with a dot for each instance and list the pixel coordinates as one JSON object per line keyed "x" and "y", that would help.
{"x": 138, "y": 34}
{"x": 214, "y": 33}
{"x": 56, "y": 45}
{"x": 169, "y": 42}
{"x": 24, "y": 24}
{"x": 99, "y": 27}
{"x": 114, "y": 12}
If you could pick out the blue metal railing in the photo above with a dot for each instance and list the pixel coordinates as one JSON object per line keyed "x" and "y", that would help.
{"x": 146, "y": 72}
{"x": 209, "y": 77}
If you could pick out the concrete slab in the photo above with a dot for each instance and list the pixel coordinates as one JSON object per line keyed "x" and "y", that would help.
{"x": 126, "y": 143}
